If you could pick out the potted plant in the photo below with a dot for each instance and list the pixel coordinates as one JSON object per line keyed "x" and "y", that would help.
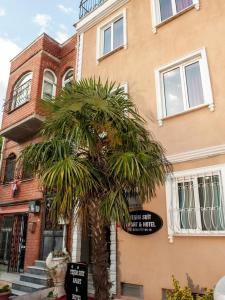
{"x": 5, "y": 292}
{"x": 56, "y": 263}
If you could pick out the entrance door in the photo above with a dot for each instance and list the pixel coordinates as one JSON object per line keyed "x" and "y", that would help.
{"x": 52, "y": 238}
{"x": 18, "y": 243}
{"x": 5, "y": 239}
{"x": 13, "y": 242}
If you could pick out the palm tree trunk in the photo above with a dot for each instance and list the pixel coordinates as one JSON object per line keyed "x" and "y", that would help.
{"x": 99, "y": 253}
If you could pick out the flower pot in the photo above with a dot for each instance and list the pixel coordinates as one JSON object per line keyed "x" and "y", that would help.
{"x": 57, "y": 267}
{"x": 4, "y": 296}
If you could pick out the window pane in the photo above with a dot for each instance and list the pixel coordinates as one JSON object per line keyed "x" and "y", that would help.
{"x": 69, "y": 75}
{"x": 210, "y": 197}
{"x": 173, "y": 92}
{"x": 107, "y": 40}
{"x": 10, "y": 168}
{"x": 49, "y": 76}
{"x": 165, "y": 9}
{"x": 48, "y": 90}
{"x": 21, "y": 91}
{"x": 187, "y": 205}
{"x": 182, "y": 4}
{"x": 118, "y": 33}
{"x": 194, "y": 85}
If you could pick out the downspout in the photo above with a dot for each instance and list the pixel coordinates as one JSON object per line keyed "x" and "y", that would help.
{"x": 1, "y": 155}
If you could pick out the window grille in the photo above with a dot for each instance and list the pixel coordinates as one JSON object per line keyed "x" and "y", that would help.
{"x": 196, "y": 203}
{"x": 21, "y": 92}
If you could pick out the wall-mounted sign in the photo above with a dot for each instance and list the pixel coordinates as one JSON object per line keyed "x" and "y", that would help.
{"x": 76, "y": 281}
{"x": 143, "y": 222}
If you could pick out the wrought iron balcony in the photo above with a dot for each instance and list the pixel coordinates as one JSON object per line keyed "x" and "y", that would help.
{"x": 87, "y": 6}
{"x": 21, "y": 95}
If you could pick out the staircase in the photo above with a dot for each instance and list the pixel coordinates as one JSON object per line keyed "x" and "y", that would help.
{"x": 33, "y": 280}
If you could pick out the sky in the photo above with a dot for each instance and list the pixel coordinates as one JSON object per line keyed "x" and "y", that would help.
{"x": 22, "y": 21}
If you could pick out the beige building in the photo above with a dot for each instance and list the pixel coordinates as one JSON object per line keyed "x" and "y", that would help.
{"x": 169, "y": 55}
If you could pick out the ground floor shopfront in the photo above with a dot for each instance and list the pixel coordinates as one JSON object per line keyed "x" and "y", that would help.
{"x": 27, "y": 234}
{"x": 190, "y": 245}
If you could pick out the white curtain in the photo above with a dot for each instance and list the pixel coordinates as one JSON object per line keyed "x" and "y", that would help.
{"x": 182, "y": 4}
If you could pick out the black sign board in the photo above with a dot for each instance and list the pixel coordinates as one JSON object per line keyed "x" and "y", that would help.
{"x": 143, "y": 222}
{"x": 76, "y": 281}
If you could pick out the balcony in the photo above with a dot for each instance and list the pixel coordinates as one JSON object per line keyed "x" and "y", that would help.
{"x": 87, "y": 6}
{"x": 24, "y": 129}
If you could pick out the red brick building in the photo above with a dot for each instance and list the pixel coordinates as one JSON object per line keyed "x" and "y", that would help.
{"x": 38, "y": 72}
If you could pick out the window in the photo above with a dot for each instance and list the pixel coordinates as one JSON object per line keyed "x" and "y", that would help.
{"x": 132, "y": 290}
{"x": 183, "y": 85}
{"x": 21, "y": 91}
{"x": 67, "y": 78}
{"x": 10, "y": 168}
{"x": 195, "y": 201}
{"x": 49, "y": 85}
{"x": 134, "y": 200}
{"x": 112, "y": 35}
{"x": 27, "y": 173}
{"x": 163, "y": 10}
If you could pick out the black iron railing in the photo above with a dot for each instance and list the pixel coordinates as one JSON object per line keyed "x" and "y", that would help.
{"x": 86, "y": 6}
{"x": 21, "y": 95}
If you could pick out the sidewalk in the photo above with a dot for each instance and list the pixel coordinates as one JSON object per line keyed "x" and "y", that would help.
{"x": 8, "y": 278}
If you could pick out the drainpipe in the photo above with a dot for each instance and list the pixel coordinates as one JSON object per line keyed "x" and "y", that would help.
{"x": 1, "y": 155}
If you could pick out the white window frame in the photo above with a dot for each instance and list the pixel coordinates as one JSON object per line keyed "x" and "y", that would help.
{"x": 100, "y": 34}
{"x": 173, "y": 222}
{"x": 156, "y": 16}
{"x": 49, "y": 81}
{"x": 64, "y": 82}
{"x": 198, "y": 55}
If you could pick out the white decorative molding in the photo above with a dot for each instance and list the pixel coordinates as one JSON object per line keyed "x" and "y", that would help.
{"x": 76, "y": 244}
{"x": 197, "y": 154}
{"x": 79, "y": 60}
{"x": 113, "y": 258}
{"x": 98, "y": 14}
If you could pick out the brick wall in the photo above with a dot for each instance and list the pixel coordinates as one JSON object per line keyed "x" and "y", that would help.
{"x": 43, "y": 53}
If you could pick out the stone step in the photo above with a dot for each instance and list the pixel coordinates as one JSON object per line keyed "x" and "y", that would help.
{"x": 33, "y": 278}
{"x": 26, "y": 287}
{"x": 37, "y": 270}
{"x": 16, "y": 293}
{"x": 40, "y": 263}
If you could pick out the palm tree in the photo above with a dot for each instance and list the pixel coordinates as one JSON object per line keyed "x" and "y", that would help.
{"x": 96, "y": 150}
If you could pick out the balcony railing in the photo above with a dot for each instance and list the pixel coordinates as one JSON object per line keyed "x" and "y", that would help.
{"x": 87, "y": 6}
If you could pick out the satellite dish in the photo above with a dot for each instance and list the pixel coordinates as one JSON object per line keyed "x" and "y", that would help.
{"x": 219, "y": 291}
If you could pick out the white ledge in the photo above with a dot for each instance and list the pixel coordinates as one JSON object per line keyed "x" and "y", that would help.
{"x": 197, "y": 154}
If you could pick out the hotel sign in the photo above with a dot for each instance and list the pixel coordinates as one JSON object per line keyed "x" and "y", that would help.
{"x": 143, "y": 222}
{"x": 76, "y": 281}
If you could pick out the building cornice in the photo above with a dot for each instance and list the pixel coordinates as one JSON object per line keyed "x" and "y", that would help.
{"x": 197, "y": 154}
{"x": 98, "y": 14}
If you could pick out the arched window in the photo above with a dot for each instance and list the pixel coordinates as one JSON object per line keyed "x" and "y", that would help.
{"x": 21, "y": 91}
{"x": 67, "y": 78}
{"x": 49, "y": 85}
{"x": 10, "y": 168}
